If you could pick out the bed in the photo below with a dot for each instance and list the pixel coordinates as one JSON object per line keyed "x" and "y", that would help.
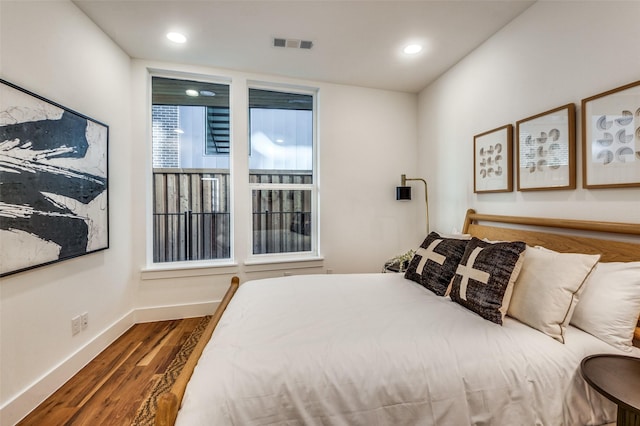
{"x": 381, "y": 349}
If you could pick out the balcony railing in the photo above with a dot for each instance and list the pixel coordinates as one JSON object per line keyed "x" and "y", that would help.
{"x": 190, "y": 236}
{"x": 281, "y": 232}
{"x": 200, "y": 236}
{"x": 191, "y": 219}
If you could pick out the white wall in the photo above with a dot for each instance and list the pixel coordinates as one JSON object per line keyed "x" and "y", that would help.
{"x": 54, "y": 50}
{"x": 553, "y": 54}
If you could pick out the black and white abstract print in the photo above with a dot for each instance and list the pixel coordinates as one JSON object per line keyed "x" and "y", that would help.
{"x": 53, "y": 182}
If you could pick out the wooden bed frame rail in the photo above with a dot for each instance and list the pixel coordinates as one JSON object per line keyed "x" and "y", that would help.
{"x": 584, "y": 225}
{"x": 169, "y": 402}
{"x": 610, "y": 250}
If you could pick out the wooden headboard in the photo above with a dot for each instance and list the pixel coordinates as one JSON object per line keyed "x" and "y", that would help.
{"x": 537, "y": 231}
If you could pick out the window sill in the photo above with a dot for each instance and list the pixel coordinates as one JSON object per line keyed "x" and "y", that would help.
{"x": 187, "y": 269}
{"x": 283, "y": 263}
{"x": 258, "y": 264}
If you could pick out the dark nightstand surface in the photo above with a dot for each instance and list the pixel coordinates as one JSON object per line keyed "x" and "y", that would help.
{"x": 617, "y": 377}
{"x": 394, "y": 269}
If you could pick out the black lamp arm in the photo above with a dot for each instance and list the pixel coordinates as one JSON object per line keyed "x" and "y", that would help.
{"x": 404, "y": 179}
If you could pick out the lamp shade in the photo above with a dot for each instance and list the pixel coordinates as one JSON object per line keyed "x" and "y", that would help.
{"x": 403, "y": 192}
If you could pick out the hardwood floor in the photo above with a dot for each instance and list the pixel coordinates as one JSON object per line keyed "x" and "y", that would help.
{"x": 110, "y": 389}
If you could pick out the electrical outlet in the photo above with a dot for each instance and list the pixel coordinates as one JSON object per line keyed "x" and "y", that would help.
{"x": 84, "y": 320}
{"x": 75, "y": 325}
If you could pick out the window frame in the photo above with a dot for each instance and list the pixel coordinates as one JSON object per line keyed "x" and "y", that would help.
{"x": 314, "y": 253}
{"x": 151, "y": 265}
{"x": 241, "y": 257}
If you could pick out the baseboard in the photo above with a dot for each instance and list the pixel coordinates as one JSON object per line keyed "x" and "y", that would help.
{"x": 17, "y": 408}
{"x": 163, "y": 313}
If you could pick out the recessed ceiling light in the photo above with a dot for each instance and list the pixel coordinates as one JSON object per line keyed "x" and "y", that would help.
{"x": 279, "y": 140}
{"x": 191, "y": 92}
{"x": 177, "y": 37}
{"x": 412, "y": 49}
{"x": 207, "y": 93}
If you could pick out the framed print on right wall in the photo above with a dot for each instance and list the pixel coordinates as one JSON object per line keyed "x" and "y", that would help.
{"x": 492, "y": 171}
{"x": 611, "y": 138}
{"x": 546, "y": 150}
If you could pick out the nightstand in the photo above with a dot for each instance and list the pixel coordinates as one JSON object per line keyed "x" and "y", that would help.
{"x": 617, "y": 377}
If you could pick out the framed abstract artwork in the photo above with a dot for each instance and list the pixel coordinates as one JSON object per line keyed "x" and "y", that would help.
{"x": 611, "y": 138}
{"x": 54, "y": 200}
{"x": 546, "y": 150}
{"x": 492, "y": 151}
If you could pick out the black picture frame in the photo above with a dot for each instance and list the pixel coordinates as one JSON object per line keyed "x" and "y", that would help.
{"x": 54, "y": 175}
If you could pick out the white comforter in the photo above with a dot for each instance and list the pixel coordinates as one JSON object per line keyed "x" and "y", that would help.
{"x": 376, "y": 349}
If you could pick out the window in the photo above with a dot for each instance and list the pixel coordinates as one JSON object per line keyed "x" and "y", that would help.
{"x": 191, "y": 145}
{"x": 281, "y": 172}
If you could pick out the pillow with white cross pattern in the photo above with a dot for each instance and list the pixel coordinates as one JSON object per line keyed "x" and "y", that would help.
{"x": 435, "y": 262}
{"x": 484, "y": 279}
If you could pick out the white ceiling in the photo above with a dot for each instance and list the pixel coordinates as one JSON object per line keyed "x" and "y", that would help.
{"x": 356, "y": 42}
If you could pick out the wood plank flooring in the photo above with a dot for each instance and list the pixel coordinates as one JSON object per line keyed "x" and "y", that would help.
{"x": 110, "y": 389}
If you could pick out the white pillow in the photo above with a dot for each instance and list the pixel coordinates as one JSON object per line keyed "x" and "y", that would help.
{"x": 546, "y": 292}
{"x": 610, "y": 303}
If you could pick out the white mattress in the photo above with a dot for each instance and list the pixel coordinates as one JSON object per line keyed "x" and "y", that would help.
{"x": 376, "y": 349}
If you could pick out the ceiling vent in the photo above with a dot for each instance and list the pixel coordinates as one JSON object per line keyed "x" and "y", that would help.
{"x": 292, "y": 43}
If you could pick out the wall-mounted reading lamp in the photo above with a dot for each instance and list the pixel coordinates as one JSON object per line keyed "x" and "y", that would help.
{"x": 403, "y": 192}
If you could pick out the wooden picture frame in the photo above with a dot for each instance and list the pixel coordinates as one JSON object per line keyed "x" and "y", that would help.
{"x": 546, "y": 150}
{"x": 54, "y": 200}
{"x": 492, "y": 166}
{"x": 611, "y": 138}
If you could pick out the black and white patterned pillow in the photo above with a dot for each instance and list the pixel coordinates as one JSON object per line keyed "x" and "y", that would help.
{"x": 435, "y": 262}
{"x": 483, "y": 282}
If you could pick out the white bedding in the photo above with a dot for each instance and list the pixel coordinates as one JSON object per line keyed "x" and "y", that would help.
{"x": 376, "y": 349}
